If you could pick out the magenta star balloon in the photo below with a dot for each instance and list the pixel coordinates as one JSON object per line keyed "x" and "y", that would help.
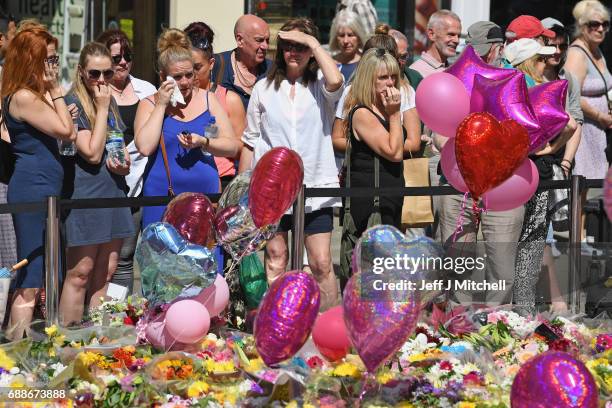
{"x": 469, "y": 64}
{"x": 507, "y": 99}
{"x": 548, "y": 101}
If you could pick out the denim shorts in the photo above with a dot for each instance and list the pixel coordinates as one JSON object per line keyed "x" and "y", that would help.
{"x": 316, "y": 222}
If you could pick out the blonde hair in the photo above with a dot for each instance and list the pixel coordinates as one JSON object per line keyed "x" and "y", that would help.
{"x": 173, "y": 46}
{"x": 79, "y": 88}
{"x": 362, "y": 90}
{"x": 585, "y": 10}
{"x": 529, "y": 67}
{"x": 349, "y": 19}
{"x": 30, "y": 23}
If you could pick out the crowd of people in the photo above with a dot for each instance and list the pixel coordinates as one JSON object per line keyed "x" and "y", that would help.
{"x": 346, "y": 106}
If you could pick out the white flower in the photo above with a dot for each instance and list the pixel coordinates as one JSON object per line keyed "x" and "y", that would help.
{"x": 57, "y": 368}
{"x": 109, "y": 379}
{"x": 14, "y": 370}
{"x": 417, "y": 345}
{"x": 5, "y": 380}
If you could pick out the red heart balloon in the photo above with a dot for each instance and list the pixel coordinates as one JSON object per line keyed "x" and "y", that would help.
{"x": 192, "y": 215}
{"x": 488, "y": 152}
{"x": 275, "y": 183}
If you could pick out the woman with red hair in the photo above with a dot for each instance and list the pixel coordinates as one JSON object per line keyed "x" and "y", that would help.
{"x": 36, "y": 116}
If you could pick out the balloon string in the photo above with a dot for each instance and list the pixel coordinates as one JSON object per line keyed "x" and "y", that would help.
{"x": 460, "y": 218}
{"x": 369, "y": 383}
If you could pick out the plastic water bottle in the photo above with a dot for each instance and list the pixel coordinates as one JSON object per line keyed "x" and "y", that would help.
{"x": 211, "y": 131}
{"x": 115, "y": 145}
{"x": 68, "y": 147}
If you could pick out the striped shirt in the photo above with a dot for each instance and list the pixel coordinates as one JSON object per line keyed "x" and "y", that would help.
{"x": 364, "y": 9}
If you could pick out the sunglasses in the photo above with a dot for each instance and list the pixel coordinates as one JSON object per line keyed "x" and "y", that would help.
{"x": 202, "y": 44}
{"x": 117, "y": 58}
{"x": 594, "y": 25}
{"x": 187, "y": 75}
{"x": 96, "y": 73}
{"x": 52, "y": 60}
{"x": 291, "y": 46}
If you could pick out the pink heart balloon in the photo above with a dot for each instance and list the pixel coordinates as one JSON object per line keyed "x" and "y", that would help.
{"x": 275, "y": 183}
{"x": 377, "y": 328}
{"x": 548, "y": 101}
{"x": 286, "y": 316}
{"x": 469, "y": 64}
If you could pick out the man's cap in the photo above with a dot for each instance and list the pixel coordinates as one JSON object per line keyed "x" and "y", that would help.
{"x": 527, "y": 27}
{"x": 482, "y": 35}
{"x": 525, "y": 48}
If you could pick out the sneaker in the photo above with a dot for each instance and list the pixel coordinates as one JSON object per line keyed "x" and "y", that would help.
{"x": 587, "y": 249}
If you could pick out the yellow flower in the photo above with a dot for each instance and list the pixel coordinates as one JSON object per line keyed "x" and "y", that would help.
{"x": 18, "y": 383}
{"x": 417, "y": 357}
{"x": 404, "y": 404}
{"x": 59, "y": 340}
{"x": 294, "y": 404}
{"x": 346, "y": 370}
{"x": 305, "y": 405}
{"x": 608, "y": 384}
{"x": 466, "y": 405}
{"x": 197, "y": 389}
{"x": 255, "y": 364}
{"x": 384, "y": 378}
{"x": 5, "y": 361}
{"x": 88, "y": 358}
{"x": 51, "y": 331}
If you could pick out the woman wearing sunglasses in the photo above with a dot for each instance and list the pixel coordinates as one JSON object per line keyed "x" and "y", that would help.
{"x": 201, "y": 36}
{"x": 94, "y": 236}
{"x": 36, "y": 116}
{"x": 171, "y": 133}
{"x": 294, "y": 107}
{"x": 127, "y": 91}
{"x": 586, "y": 62}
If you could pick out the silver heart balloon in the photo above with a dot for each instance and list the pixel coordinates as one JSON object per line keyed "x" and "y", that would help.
{"x": 170, "y": 266}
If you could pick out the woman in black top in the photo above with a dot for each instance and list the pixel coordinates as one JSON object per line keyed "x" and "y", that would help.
{"x": 376, "y": 131}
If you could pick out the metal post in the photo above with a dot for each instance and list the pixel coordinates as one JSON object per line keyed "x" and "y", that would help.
{"x": 52, "y": 253}
{"x": 297, "y": 239}
{"x": 574, "y": 242}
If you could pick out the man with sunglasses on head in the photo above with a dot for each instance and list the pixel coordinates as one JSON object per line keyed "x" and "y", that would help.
{"x": 239, "y": 69}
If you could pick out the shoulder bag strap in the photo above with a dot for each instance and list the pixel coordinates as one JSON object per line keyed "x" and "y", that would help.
{"x": 347, "y": 159}
{"x": 603, "y": 78}
{"x": 166, "y": 166}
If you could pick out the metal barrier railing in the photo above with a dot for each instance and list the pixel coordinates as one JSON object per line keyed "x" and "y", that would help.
{"x": 54, "y": 207}
{"x": 576, "y": 185}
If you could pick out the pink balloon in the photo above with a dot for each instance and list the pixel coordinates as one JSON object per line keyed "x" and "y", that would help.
{"x": 469, "y": 64}
{"x": 286, "y": 316}
{"x": 548, "y": 101}
{"x": 507, "y": 99}
{"x": 187, "y": 321}
{"x": 554, "y": 379}
{"x": 450, "y": 169}
{"x": 515, "y": 191}
{"x": 215, "y": 297}
{"x": 442, "y": 103}
{"x": 275, "y": 183}
{"x": 377, "y": 328}
{"x": 608, "y": 194}
{"x": 192, "y": 215}
{"x": 156, "y": 334}
{"x": 329, "y": 334}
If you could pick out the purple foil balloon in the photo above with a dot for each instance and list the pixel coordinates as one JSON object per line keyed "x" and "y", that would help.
{"x": 554, "y": 379}
{"x": 286, "y": 316}
{"x": 469, "y": 64}
{"x": 507, "y": 99}
{"x": 548, "y": 101}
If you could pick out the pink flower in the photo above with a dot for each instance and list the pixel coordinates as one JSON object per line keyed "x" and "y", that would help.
{"x": 495, "y": 317}
{"x": 446, "y": 365}
{"x": 472, "y": 378}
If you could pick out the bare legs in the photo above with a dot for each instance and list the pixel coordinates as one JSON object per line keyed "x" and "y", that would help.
{"x": 90, "y": 268}
{"x": 22, "y": 311}
{"x": 318, "y": 247}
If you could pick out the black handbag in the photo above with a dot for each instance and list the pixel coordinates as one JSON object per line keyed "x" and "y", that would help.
{"x": 7, "y": 157}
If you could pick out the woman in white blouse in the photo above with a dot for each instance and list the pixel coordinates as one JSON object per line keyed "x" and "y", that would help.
{"x": 294, "y": 107}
